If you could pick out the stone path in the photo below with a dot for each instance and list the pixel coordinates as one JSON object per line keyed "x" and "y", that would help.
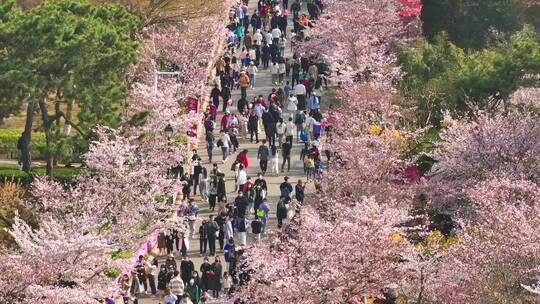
{"x": 263, "y": 87}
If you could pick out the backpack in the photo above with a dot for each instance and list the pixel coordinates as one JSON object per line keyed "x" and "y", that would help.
{"x": 285, "y": 191}
{"x": 260, "y": 213}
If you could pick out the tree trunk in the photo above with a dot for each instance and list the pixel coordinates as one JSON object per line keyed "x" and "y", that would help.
{"x": 47, "y": 129}
{"x": 26, "y": 158}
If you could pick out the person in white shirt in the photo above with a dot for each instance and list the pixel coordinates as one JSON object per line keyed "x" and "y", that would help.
{"x": 275, "y": 72}
{"x": 229, "y": 232}
{"x": 308, "y": 126}
{"x": 276, "y": 34}
{"x": 300, "y": 92}
{"x": 290, "y": 130}
{"x": 280, "y": 130}
{"x": 225, "y": 141}
{"x": 257, "y": 38}
{"x": 241, "y": 178}
{"x": 292, "y": 103}
{"x": 252, "y": 72}
{"x": 268, "y": 38}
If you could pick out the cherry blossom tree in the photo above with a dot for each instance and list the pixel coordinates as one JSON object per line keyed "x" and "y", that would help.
{"x": 357, "y": 39}
{"x": 328, "y": 260}
{"x": 124, "y": 195}
{"x": 497, "y": 249}
{"x": 499, "y": 144}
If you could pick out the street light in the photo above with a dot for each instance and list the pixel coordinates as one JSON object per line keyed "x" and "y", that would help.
{"x": 168, "y": 131}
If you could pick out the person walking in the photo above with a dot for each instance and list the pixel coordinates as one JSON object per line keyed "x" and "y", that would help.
{"x": 262, "y": 155}
{"x": 215, "y": 94}
{"x": 300, "y": 92}
{"x": 286, "y": 153}
{"x": 290, "y": 129}
{"x": 252, "y": 71}
{"x": 224, "y": 142}
{"x": 212, "y": 193}
{"x": 256, "y": 228}
{"x": 263, "y": 212}
{"x": 281, "y": 212}
{"x": 221, "y": 191}
{"x": 299, "y": 191}
{"x": 259, "y": 194}
{"x": 244, "y": 83}
{"x": 253, "y": 126}
{"x": 176, "y": 285}
{"x": 212, "y": 230}
{"x": 299, "y": 121}
{"x": 266, "y": 55}
{"x": 194, "y": 291}
{"x": 140, "y": 268}
{"x": 241, "y": 228}
{"x": 274, "y": 160}
{"x": 203, "y": 237}
{"x": 191, "y": 213}
{"x": 162, "y": 280}
{"x": 218, "y": 273}
{"x": 274, "y": 71}
{"x": 280, "y": 131}
{"x": 285, "y": 188}
{"x": 292, "y": 105}
{"x": 229, "y": 231}
{"x": 186, "y": 269}
{"x": 269, "y": 127}
{"x": 210, "y": 144}
{"x": 226, "y": 96}
{"x": 281, "y": 69}
{"x": 152, "y": 276}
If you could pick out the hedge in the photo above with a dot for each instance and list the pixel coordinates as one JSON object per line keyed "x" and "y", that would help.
{"x": 9, "y": 139}
{"x": 63, "y": 175}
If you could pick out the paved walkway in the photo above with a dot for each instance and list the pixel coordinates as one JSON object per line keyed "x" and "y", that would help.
{"x": 263, "y": 87}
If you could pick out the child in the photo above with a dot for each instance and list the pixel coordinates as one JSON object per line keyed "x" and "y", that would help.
{"x": 226, "y": 282}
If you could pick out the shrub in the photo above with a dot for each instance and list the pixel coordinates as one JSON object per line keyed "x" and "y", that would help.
{"x": 63, "y": 175}
{"x": 9, "y": 139}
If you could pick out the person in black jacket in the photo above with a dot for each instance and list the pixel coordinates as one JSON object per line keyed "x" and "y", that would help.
{"x": 241, "y": 104}
{"x": 221, "y": 191}
{"x": 269, "y": 127}
{"x": 256, "y": 22}
{"x": 215, "y": 94}
{"x": 281, "y": 212}
{"x": 211, "y": 229}
{"x": 226, "y": 95}
{"x": 220, "y": 220}
{"x": 299, "y": 191}
{"x": 256, "y": 228}
{"x": 203, "y": 236}
{"x": 186, "y": 189}
{"x": 186, "y": 269}
{"x": 253, "y": 126}
{"x": 241, "y": 203}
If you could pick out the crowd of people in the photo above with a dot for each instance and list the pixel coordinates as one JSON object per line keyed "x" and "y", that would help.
{"x": 289, "y": 115}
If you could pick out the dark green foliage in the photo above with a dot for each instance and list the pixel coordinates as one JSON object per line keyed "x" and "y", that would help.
{"x": 440, "y": 76}
{"x": 472, "y": 23}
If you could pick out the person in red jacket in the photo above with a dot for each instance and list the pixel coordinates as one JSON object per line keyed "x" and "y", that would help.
{"x": 224, "y": 120}
{"x": 242, "y": 158}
